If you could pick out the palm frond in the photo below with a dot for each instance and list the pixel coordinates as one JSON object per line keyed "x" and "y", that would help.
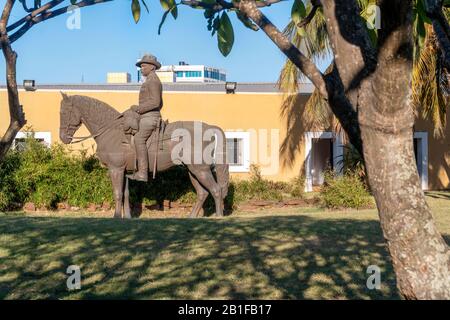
{"x": 431, "y": 84}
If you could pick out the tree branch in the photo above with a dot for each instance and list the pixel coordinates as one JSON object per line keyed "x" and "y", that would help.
{"x": 220, "y": 5}
{"x": 25, "y": 7}
{"x": 48, "y": 15}
{"x": 17, "y": 117}
{"x": 308, "y": 18}
{"x": 33, "y": 14}
{"x": 349, "y": 38}
{"x": 249, "y": 8}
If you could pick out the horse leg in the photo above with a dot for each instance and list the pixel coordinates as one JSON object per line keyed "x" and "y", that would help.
{"x": 126, "y": 200}
{"x": 206, "y": 178}
{"x": 202, "y": 194}
{"x": 117, "y": 176}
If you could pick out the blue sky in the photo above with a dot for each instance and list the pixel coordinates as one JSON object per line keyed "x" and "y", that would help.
{"x": 110, "y": 41}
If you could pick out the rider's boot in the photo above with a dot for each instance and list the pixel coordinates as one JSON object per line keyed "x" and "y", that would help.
{"x": 142, "y": 157}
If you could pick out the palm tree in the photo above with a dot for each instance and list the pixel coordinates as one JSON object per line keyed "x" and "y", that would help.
{"x": 431, "y": 92}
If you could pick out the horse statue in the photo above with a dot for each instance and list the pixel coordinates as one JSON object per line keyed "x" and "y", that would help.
{"x": 178, "y": 144}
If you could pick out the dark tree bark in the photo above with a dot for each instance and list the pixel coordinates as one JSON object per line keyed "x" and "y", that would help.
{"x": 17, "y": 117}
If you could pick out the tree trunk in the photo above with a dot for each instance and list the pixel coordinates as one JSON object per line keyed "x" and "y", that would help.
{"x": 376, "y": 85}
{"x": 420, "y": 256}
{"x": 17, "y": 116}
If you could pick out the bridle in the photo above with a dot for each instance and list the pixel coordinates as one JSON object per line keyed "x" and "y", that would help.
{"x": 102, "y": 130}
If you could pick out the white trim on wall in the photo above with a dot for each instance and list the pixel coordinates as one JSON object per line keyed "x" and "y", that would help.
{"x": 422, "y": 155}
{"x": 46, "y": 136}
{"x": 245, "y": 136}
{"x": 338, "y": 151}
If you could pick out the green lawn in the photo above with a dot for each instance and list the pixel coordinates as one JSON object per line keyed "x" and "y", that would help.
{"x": 271, "y": 254}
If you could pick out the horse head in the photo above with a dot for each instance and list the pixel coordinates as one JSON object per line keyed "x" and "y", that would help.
{"x": 70, "y": 119}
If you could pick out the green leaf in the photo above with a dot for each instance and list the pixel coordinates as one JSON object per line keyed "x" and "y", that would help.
{"x": 165, "y": 16}
{"x": 174, "y": 11}
{"x": 170, "y": 5}
{"x": 246, "y": 21}
{"x": 422, "y": 13}
{"x": 421, "y": 31}
{"x": 302, "y": 32}
{"x": 165, "y": 4}
{"x": 298, "y": 11}
{"x": 136, "y": 10}
{"x": 162, "y": 21}
{"x": 225, "y": 35}
{"x": 145, "y": 5}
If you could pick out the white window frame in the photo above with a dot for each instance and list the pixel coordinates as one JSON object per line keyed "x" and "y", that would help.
{"x": 338, "y": 151}
{"x": 422, "y": 155}
{"x": 46, "y": 136}
{"x": 245, "y": 136}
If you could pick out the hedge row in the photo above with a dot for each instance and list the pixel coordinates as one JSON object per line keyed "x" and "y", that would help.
{"x": 48, "y": 176}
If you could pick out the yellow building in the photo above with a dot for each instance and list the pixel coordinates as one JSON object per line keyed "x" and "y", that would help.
{"x": 257, "y": 128}
{"x": 118, "y": 77}
{"x": 166, "y": 76}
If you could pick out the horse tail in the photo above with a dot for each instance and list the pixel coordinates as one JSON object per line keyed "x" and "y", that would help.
{"x": 221, "y": 164}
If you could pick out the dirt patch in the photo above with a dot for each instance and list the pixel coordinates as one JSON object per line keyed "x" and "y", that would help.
{"x": 169, "y": 209}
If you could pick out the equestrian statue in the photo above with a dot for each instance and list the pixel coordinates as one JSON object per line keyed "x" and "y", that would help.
{"x": 139, "y": 133}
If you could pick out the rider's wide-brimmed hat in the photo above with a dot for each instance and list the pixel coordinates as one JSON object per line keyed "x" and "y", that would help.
{"x": 148, "y": 58}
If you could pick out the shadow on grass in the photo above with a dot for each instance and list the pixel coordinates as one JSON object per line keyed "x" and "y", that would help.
{"x": 285, "y": 257}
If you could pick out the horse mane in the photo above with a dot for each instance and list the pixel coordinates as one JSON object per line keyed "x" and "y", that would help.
{"x": 95, "y": 109}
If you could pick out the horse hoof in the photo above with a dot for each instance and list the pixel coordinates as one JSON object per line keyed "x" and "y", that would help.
{"x": 117, "y": 216}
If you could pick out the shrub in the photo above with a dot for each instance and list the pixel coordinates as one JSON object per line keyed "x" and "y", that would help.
{"x": 297, "y": 187}
{"x": 345, "y": 191}
{"x": 8, "y": 188}
{"x": 48, "y": 176}
{"x": 257, "y": 188}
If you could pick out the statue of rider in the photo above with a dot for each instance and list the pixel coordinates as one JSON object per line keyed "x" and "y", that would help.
{"x": 150, "y": 105}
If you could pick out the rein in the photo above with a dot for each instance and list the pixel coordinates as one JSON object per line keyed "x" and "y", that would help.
{"x": 95, "y": 135}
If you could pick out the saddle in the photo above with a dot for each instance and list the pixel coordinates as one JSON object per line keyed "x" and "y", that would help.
{"x": 131, "y": 127}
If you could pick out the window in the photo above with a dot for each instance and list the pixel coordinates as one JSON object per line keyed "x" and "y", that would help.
{"x": 193, "y": 74}
{"x": 238, "y": 151}
{"x": 179, "y": 74}
{"x": 19, "y": 141}
{"x": 234, "y": 151}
